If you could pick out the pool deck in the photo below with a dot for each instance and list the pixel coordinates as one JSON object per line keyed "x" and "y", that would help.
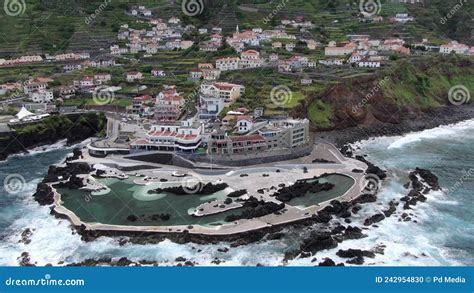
{"x": 289, "y": 172}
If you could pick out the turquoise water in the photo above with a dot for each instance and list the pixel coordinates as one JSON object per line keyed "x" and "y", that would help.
{"x": 442, "y": 235}
{"x": 126, "y": 198}
{"x": 448, "y": 216}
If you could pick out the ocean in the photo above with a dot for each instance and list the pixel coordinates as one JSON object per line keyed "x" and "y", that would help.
{"x": 441, "y": 231}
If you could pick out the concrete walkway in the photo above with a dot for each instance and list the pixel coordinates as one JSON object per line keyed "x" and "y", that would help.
{"x": 254, "y": 178}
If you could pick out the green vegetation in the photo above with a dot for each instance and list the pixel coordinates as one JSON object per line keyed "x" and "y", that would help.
{"x": 55, "y": 26}
{"x": 121, "y": 102}
{"x": 320, "y": 113}
{"x": 63, "y": 126}
{"x": 425, "y": 83}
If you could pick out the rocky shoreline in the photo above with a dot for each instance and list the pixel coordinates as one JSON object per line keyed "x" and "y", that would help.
{"x": 83, "y": 126}
{"x": 334, "y": 218}
{"x": 430, "y": 119}
{"x": 420, "y": 183}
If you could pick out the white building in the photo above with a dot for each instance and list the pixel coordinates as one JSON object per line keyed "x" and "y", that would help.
{"x": 228, "y": 63}
{"x": 133, "y": 76}
{"x": 455, "y": 47}
{"x": 250, "y": 59}
{"x": 228, "y": 92}
{"x": 42, "y": 96}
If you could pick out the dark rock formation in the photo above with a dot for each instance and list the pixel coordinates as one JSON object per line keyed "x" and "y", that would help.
{"x": 372, "y": 169}
{"x": 412, "y": 198}
{"x": 56, "y": 173}
{"x": 44, "y": 194}
{"x": 74, "y": 182}
{"x": 351, "y": 253}
{"x": 72, "y": 127}
{"x": 198, "y": 189}
{"x": 301, "y": 188}
{"x": 392, "y": 207}
{"x": 324, "y": 161}
{"x": 145, "y": 218}
{"x": 327, "y": 263}
{"x": 255, "y": 209}
{"x": 352, "y": 233}
{"x": 427, "y": 176}
{"x": 237, "y": 193}
{"x": 374, "y": 219}
{"x": 365, "y": 198}
{"x": 24, "y": 260}
{"x": 25, "y": 236}
{"x": 318, "y": 241}
{"x": 359, "y": 260}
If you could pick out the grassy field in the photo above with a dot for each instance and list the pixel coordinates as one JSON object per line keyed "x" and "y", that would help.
{"x": 320, "y": 113}
{"x": 122, "y": 102}
{"x": 428, "y": 85}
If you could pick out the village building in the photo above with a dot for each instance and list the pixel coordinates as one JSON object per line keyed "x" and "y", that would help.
{"x": 169, "y": 105}
{"x": 250, "y": 59}
{"x": 210, "y": 107}
{"x": 44, "y": 96}
{"x": 67, "y": 92}
{"x": 102, "y": 78}
{"x": 211, "y": 74}
{"x": 455, "y": 47}
{"x": 226, "y": 91}
{"x": 133, "y": 76}
{"x": 195, "y": 74}
{"x": 284, "y": 134}
{"x": 306, "y": 81}
{"x": 228, "y": 63}
{"x": 139, "y": 104}
{"x": 180, "y": 136}
{"x": 334, "y": 50}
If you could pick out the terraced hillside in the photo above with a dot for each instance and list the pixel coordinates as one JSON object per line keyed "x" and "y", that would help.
{"x": 52, "y": 26}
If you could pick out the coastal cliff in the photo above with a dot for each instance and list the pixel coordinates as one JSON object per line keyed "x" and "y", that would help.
{"x": 407, "y": 91}
{"x": 74, "y": 128}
